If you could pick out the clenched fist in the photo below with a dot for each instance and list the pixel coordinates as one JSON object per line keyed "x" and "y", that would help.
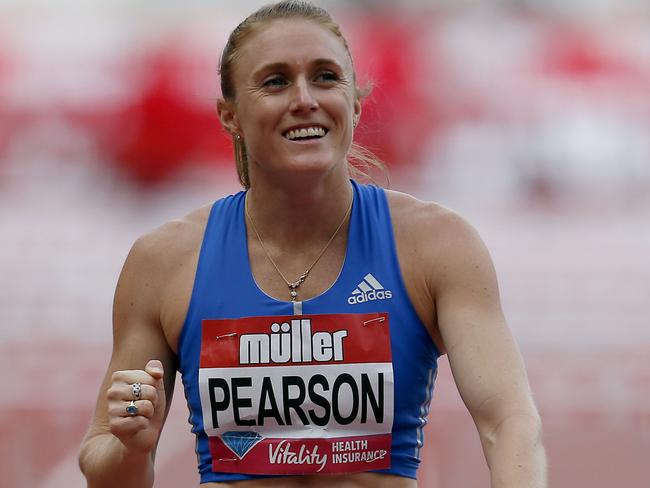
{"x": 137, "y": 419}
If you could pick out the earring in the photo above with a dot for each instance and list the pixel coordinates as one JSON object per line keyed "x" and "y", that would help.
{"x": 355, "y": 121}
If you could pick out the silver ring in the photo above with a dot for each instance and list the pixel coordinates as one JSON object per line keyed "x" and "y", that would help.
{"x": 137, "y": 389}
{"x": 132, "y": 409}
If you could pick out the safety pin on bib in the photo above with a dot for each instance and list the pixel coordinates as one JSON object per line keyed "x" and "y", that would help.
{"x": 377, "y": 319}
{"x": 232, "y": 334}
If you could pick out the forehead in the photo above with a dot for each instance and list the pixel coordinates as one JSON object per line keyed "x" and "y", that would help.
{"x": 291, "y": 41}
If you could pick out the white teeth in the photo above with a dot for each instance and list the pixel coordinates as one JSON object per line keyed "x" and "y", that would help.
{"x": 305, "y": 132}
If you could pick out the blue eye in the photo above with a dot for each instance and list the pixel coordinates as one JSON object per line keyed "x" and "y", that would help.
{"x": 327, "y": 76}
{"x": 275, "y": 82}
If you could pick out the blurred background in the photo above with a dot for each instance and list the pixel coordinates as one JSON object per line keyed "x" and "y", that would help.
{"x": 531, "y": 118}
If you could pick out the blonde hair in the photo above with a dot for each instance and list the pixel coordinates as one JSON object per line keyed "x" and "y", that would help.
{"x": 360, "y": 159}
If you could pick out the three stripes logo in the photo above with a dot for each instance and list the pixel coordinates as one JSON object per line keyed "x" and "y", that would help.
{"x": 368, "y": 290}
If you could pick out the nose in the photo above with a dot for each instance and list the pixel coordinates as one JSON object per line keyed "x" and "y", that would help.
{"x": 303, "y": 99}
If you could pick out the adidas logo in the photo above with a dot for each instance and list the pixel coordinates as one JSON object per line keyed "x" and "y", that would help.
{"x": 368, "y": 290}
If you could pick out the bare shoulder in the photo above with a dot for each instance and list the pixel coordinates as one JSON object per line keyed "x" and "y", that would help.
{"x": 156, "y": 280}
{"x": 155, "y": 259}
{"x": 168, "y": 244}
{"x": 438, "y": 241}
{"x": 429, "y": 222}
{"x": 176, "y": 235}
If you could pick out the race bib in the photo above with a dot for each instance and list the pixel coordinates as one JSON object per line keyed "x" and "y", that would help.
{"x": 298, "y": 394}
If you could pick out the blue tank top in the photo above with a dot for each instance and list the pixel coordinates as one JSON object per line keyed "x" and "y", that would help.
{"x": 369, "y": 286}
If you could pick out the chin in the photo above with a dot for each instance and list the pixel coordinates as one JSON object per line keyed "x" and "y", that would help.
{"x": 314, "y": 167}
{"x": 313, "y": 162}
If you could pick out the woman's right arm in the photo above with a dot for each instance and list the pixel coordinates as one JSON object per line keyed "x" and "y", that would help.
{"x": 119, "y": 449}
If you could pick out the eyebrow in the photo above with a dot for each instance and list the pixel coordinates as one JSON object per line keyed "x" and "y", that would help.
{"x": 281, "y": 66}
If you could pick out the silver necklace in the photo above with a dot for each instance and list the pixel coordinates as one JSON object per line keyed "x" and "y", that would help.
{"x": 294, "y": 285}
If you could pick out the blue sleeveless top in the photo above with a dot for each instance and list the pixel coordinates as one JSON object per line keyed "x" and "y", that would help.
{"x": 370, "y": 281}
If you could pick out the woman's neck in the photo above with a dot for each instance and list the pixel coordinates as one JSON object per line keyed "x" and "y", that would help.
{"x": 298, "y": 215}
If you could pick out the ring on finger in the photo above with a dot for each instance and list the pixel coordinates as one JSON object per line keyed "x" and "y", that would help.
{"x": 132, "y": 409}
{"x": 137, "y": 390}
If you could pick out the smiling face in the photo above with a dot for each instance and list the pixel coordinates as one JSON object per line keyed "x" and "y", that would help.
{"x": 295, "y": 100}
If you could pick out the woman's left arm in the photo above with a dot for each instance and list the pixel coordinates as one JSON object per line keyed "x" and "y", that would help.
{"x": 485, "y": 360}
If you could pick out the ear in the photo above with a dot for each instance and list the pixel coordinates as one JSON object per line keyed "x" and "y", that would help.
{"x": 357, "y": 111}
{"x": 227, "y": 116}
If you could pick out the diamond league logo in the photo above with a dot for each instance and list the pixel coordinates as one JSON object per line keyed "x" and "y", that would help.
{"x": 241, "y": 443}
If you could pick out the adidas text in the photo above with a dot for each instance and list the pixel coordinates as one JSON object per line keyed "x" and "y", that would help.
{"x": 370, "y": 296}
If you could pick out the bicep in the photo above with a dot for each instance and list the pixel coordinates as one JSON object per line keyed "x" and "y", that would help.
{"x": 137, "y": 333}
{"x": 483, "y": 355}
